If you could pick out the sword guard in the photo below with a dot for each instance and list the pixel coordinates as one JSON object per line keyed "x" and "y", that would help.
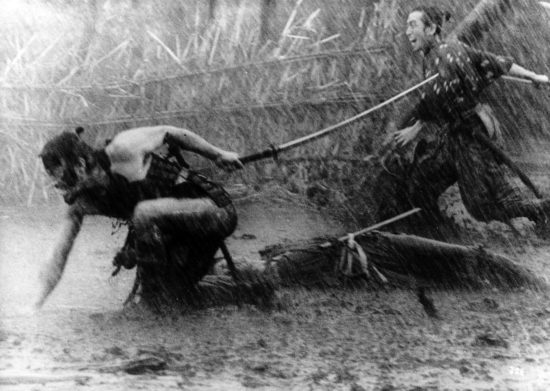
{"x": 274, "y": 153}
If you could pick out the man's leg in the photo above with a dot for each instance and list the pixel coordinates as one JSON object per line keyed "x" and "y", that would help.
{"x": 415, "y": 184}
{"x": 198, "y": 217}
{"x": 198, "y": 222}
{"x": 432, "y": 174}
{"x": 177, "y": 240}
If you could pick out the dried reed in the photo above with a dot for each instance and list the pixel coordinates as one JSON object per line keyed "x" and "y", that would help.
{"x": 166, "y": 62}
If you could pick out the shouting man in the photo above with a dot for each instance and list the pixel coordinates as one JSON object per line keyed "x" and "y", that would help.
{"x": 129, "y": 180}
{"x": 451, "y": 101}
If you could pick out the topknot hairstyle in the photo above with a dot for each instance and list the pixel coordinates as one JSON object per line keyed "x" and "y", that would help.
{"x": 433, "y": 16}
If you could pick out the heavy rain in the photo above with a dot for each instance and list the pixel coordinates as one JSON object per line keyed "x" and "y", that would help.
{"x": 274, "y": 194}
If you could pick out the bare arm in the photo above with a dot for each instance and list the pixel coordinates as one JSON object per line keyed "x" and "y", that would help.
{"x": 519, "y": 71}
{"x": 139, "y": 142}
{"x": 52, "y": 270}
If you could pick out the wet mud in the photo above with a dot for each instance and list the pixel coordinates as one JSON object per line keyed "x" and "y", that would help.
{"x": 315, "y": 340}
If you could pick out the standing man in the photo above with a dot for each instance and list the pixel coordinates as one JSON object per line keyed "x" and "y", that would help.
{"x": 128, "y": 180}
{"x": 451, "y": 101}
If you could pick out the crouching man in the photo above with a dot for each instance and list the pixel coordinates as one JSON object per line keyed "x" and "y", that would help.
{"x": 130, "y": 180}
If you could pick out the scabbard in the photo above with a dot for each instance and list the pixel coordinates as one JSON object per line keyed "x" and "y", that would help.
{"x": 504, "y": 158}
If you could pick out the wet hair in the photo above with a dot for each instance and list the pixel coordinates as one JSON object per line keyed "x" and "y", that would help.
{"x": 433, "y": 16}
{"x": 69, "y": 147}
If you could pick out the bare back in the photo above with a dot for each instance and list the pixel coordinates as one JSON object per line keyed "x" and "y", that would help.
{"x": 130, "y": 151}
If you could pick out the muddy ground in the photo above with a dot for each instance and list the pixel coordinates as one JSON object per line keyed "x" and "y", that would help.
{"x": 338, "y": 340}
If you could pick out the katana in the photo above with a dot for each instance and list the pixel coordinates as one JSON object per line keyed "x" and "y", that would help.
{"x": 469, "y": 29}
{"x": 275, "y": 150}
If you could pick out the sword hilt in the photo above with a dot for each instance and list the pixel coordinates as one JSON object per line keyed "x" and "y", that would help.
{"x": 271, "y": 152}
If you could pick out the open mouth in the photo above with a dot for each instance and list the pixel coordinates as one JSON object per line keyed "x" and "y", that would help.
{"x": 61, "y": 186}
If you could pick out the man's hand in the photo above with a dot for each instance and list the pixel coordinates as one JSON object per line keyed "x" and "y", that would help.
{"x": 405, "y": 136}
{"x": 52, "y": 269}
{"x": 37, "y": 304}
{"x": 538, "y": 80}
{"x": 47, "y": 280}
{"x": 519, "y": 71}
{"x": 229, "y": 161}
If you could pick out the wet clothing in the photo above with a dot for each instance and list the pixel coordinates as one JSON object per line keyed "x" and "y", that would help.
{"x": 404, "y": 182}
{"x": 197, "y": 231}
{"x": 463, "y": 73}
{"x": 120, "y": 197}
{"x": 485, "y": 186}
{"x": 456, "y": 156}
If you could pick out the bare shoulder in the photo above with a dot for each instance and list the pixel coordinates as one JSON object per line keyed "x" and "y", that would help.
{"x": 134, "y": 135}
{"x": 137, "y": 140}
{"x": 145, "y": 131}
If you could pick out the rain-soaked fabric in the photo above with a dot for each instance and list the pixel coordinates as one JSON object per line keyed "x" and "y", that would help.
{"x": 120, "y": 198}
{"x": 414, "y": 177}
{"x": 189, "y": 235}
{"x": 454, "y": 154}
{"x": 186, "y": 219}
{"x": 485, "y": 186}
{"x": 198, "y": 213}
{"x": 463, "y": 73}
{"x": 442, "y": 158}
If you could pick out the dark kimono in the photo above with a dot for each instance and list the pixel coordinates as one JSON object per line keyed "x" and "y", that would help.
{"x": 450, "y": 101}
{"x": 192, "y": 237}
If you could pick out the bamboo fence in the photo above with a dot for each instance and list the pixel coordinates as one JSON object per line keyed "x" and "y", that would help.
{"x": 322, "y": 65}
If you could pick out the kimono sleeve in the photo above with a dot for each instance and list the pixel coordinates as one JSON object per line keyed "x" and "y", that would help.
{"x": 488, "y": 66}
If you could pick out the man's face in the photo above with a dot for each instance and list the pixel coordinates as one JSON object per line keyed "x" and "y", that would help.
{"x": 74, "y": 179}
{"x": 418, "y": 34}
{"x": 58, "y": 175}
{"x": 63, "y": 177}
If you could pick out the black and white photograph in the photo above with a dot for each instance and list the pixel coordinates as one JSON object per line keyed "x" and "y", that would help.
{"x": 332, "y": 195}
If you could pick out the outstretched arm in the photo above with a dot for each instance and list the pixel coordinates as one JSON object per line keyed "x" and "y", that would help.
{"x": 491, "y": 66}
{"x": 142, "y": 141}
{"x": 193, "y": 142}
{"x": 51, "y": 272}
{"x": 519, "y": 71}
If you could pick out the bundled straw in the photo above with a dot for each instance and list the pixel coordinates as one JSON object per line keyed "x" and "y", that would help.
{"x": 405, "y": 260}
